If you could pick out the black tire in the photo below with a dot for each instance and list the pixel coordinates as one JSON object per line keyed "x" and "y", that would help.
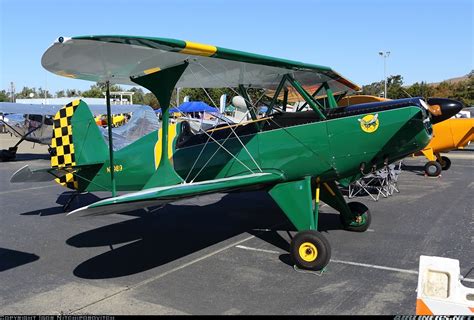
{"x": 432, "y": 169}
{"x": 360, "y": 211}
{"x": 7, "y": 155}
{"x": 310, "y": 250}
{"x": 445, "y": 163}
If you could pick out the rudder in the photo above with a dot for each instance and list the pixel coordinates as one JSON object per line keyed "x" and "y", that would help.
{"x": 76, "y": 141}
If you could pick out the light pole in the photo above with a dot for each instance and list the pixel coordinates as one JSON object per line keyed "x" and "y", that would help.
{"x": 384, "y": 55}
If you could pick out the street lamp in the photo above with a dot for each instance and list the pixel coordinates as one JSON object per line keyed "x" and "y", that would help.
{"x": 385, "y": 56}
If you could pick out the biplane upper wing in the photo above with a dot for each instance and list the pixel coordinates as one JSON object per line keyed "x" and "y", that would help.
{"x": 161, "y": 195}
{"x": 119, "y": 58}
{"x": 52, "y": 109}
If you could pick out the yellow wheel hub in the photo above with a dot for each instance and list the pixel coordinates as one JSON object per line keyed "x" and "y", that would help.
{"x": 308, "y": 252}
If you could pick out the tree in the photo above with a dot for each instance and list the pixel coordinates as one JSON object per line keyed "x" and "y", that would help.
{"x": 26, "y": 92}
{"x": 4, "y": 96}
{"x": 73, "y": 93}
{"x": 44, "y": 93}
{"x": 420, "y": 90}
{"x": 138, "y": 95}
{"x": 373, "y": 89}
{"x": 60, "y": 94}
{"x": 94, "y": 92}
{"x": 464, "y": 91}
{"x": 443, "y": 90}
{"x": 97, "y": 90}
{"x": 150, "y": 100}
{"x": 395, "y": 87}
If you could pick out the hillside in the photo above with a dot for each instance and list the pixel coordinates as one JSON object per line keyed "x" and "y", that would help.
{"x": 452, "y": 80}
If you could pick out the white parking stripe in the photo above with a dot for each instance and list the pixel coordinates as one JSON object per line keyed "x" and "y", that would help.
{"x": 255, "y": 249}
{"x": 373, "y": 266}
{"x": 366, "y": 265}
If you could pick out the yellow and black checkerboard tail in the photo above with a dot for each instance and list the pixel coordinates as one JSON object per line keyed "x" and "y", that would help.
{"x": 63, "y": 156}
{"x": 77, "y": 142}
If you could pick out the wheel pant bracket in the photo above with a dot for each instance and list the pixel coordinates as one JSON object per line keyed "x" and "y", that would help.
{"x": 294, "y": 199}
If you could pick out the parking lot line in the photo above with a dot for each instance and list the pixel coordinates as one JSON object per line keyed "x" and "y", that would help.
{"x": 255, "y": 249}
{"x": 366, "y": 265}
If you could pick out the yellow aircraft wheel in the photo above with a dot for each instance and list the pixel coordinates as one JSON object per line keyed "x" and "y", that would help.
{"x": 310, "y": 250}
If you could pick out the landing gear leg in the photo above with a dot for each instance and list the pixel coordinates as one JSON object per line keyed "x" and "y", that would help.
{"x": 309, "y": 248}
{"x": 354, "y": 216}
{"x": 10, "y": 154}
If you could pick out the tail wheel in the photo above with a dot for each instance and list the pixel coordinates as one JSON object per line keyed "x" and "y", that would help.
{"x": 433, "y": 169}
{"x": 310, "y": 250}
{"x": 362, "y": 217}
{"x": 445, "y": 163}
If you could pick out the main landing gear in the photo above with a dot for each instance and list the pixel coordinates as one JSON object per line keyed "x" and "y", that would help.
{"x": 309, "y": 249}
{"x": 436, "y": 163}
{"x": 434, "y": 168}
{"x": 10, "y": 153}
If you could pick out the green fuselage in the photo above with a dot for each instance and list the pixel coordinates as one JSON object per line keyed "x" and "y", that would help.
{"x": 331, "y": 150}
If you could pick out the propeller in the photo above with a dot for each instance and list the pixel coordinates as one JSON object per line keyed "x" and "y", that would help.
{"x": 442, "y": 108}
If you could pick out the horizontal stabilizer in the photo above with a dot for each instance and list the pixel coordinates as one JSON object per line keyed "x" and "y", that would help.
{"x": 25, "y": 174}
{"x": 161, "y": 195}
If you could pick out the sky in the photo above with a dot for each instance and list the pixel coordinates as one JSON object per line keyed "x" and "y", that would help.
{"x": 428, "y": 40}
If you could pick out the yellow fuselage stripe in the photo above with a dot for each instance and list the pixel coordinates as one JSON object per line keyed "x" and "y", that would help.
{"x": 171, "y": 136}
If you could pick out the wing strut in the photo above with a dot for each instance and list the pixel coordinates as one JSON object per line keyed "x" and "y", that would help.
{"x": 308, "y": 98}
{"x": 161, "y": 83}
{"x": 109, "y": 129}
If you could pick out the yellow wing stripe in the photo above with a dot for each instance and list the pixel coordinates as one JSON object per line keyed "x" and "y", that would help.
{"x": 199, "y": 49}
{"x": 151, "y": 70}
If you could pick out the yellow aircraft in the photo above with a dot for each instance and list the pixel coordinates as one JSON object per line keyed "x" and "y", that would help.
{"x": 448, "y": 135}
{"x": 117, "y": 120}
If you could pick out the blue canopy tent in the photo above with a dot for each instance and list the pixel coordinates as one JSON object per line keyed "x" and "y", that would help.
{"x": 192, "y": 106}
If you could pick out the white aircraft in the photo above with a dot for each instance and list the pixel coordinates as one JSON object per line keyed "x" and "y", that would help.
{"x": 34, "y": 122}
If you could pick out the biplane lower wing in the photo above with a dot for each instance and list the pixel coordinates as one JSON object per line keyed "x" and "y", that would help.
{"x": 162, "y": 195}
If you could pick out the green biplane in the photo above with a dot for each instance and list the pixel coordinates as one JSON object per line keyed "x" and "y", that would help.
{"x": 298, "y": 157}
